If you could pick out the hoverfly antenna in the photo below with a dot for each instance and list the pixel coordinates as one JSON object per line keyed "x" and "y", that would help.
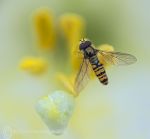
{"x": 82, "y": 40}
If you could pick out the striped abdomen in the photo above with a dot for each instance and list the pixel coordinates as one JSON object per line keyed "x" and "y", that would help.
{"x": 99, "y": 70}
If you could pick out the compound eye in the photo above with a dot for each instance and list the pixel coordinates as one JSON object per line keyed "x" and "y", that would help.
{"x": 85, "y": 44}
{"x": 88, "y": 43}
{"x": 82, "y": 46}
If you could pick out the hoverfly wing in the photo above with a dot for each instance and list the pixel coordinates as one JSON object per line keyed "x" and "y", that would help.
{"x": 82, "y": 77}
{"x": 117, "y": 58}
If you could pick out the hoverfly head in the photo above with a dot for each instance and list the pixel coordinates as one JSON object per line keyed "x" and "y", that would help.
{"x": 84, "y": 44}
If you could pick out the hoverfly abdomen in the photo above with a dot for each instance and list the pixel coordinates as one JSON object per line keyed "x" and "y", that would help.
{"x": 99, "y": 70}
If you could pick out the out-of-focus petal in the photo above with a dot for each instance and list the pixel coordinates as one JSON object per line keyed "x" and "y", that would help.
{"x": 76, "y": 60}
{"x": 34, "y": 65}
{"x": 66, "y": 83}
{"x": 56, "y": 110}
{"x": 72, "y": 26}
{"x": 44, "y": 28}
{"x": 106, "y": 47}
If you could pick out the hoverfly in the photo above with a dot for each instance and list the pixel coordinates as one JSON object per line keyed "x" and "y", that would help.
{"x": 91, "y": 61}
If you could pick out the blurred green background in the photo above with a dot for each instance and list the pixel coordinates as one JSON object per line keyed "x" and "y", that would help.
{"x": 118, "y": 111}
